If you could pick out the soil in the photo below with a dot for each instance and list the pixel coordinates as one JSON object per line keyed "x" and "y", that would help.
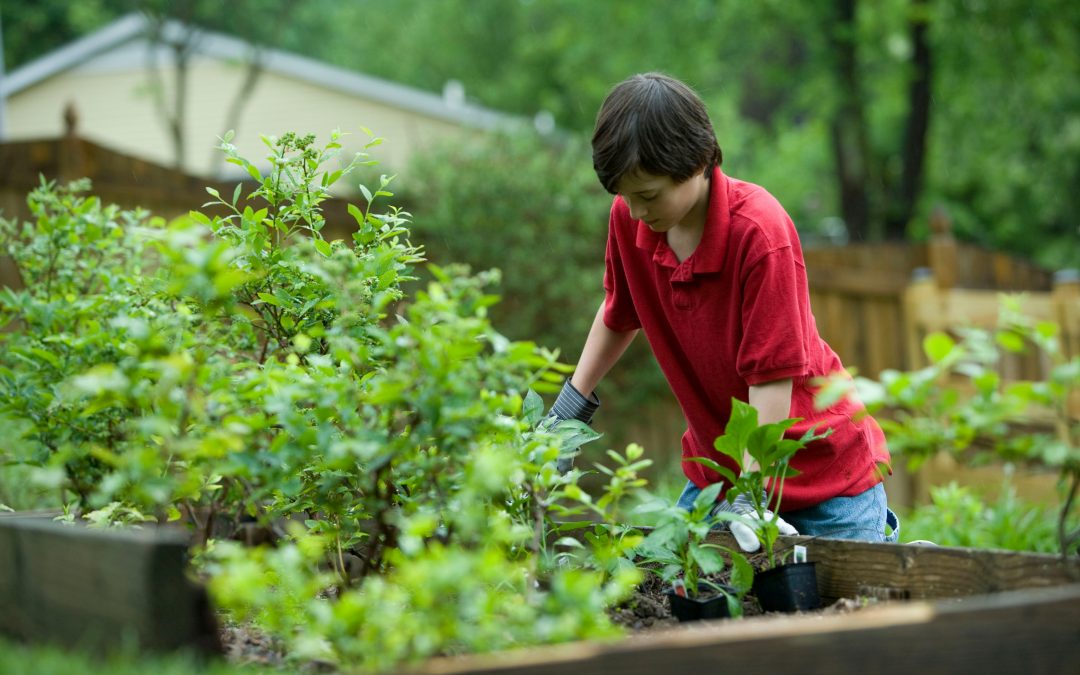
{"x": 648, "y": 608}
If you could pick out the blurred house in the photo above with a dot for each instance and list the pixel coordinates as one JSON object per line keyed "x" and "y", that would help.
{"x": 121, "y": 83}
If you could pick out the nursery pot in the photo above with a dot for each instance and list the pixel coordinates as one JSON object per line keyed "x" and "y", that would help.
{"x": 787, "y": 588}
{"x": 699, "y": 608}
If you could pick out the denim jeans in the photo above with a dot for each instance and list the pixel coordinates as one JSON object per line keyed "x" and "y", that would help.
{"x": 862, "y": 517}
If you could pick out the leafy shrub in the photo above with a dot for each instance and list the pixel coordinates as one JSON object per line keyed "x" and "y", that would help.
{"x": 961, "y": 404}
{"x": 960, "y": 516}
{"x": 236, "y": 365}
{"x": 81, "y": 304}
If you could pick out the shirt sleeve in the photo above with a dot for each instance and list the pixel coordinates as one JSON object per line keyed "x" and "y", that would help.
{"x": 620, "y": 315}
{"x": 773, "y": 343}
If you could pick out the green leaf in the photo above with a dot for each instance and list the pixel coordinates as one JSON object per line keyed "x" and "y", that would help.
{"x": 46, "y": 356}
{"x": 323, "y": 247}
{"x": 708, "y": 559}
{"x": 719, "y": 468}
{"x": 356, "y": 213}
{"x": 1010, "y": 341}
{"x": 742, "y": 573}
{"x": 200, "y": 218}
{"x": 533, "y": 408}
{"x": 937, "y": 346}
{"x": 708, "y": 496}
{"x": 271, "y": 299}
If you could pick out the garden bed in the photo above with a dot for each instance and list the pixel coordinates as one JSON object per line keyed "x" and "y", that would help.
{"x": 934, "y": 609}
{"x": 890, "y": 608}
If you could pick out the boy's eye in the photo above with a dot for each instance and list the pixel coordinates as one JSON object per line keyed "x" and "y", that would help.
{"x": 649, "y": 198}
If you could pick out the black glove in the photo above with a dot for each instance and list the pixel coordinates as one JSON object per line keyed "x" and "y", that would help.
{"x": 571, "y": 405}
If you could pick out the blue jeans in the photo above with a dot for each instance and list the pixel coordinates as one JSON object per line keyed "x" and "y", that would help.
{"x": 862, "y": 517}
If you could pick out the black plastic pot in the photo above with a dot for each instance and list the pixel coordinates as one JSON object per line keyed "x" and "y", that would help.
{"x": 787, "y": 588}
{"x": 705, "y": 606}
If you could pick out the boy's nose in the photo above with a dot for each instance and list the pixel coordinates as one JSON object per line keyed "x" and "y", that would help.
{"x": 637, "y": 211}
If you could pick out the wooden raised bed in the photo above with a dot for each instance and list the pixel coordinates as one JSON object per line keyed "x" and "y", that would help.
{"x": 100, "y": 589}
{"x": 966, "y": 611}
{"x": 962, "y": 611}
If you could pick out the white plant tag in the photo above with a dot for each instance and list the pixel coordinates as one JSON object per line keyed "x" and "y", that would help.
{"x": 799, "y": 555}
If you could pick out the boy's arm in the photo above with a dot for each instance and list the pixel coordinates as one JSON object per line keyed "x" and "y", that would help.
{"x": 602, "y": 350}
{"x": 772, "y": 400}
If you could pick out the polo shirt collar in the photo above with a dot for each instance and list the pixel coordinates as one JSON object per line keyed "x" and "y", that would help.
{"x": 709, "y": 254}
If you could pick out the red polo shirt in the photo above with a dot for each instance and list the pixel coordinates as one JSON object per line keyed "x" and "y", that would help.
{"x": 736, "y": 313}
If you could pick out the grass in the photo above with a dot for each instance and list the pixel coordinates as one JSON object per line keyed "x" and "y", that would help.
{"x": 16, "y": 659}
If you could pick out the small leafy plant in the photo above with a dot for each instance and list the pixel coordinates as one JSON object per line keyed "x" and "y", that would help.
{"x": 767, "y": 447}
{"x": 610, "y": 541}
{"x": 679, "y": 545}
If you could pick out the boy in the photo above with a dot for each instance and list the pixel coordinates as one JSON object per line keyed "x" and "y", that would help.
{"x": 711, "y": 269}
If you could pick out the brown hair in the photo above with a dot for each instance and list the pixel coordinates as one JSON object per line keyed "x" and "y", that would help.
{"x": 654, "y": 123}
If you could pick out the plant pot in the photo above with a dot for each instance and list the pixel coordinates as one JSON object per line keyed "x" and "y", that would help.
{"x": 699, "y": 608}
{"x": 787, "y": 588}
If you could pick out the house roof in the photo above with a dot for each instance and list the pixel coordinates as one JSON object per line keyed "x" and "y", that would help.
{"x": 134, "y": 27}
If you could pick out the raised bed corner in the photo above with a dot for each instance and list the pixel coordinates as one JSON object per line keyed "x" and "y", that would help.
{"x": 100, "y": 589}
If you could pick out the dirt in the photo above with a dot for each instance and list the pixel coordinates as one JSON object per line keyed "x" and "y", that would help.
{"x": 648, "y": 608}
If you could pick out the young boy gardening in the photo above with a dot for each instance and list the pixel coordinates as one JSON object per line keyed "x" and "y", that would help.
{"x": 711, "y": 269}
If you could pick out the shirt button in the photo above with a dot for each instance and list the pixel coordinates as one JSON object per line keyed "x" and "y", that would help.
{"x": 682, "y": 299}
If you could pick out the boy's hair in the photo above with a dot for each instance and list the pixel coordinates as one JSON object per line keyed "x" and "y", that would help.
{"x": 654, "y": 123}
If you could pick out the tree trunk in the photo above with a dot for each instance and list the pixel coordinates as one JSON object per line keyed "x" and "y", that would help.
{"x": 848, "y": 130}
{"x": 906, "y": 196}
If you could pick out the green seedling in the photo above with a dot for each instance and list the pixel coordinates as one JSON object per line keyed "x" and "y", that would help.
{"x": 770, "y": 453}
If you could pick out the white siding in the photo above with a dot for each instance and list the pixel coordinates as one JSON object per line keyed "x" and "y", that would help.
{"x": 115, "y": 109}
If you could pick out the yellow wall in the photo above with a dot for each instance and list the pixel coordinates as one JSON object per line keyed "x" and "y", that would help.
{"x": 116, "y": 110}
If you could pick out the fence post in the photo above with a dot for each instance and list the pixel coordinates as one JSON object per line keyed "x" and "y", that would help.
{"x": 920, "y": 299}
{"x": 942, "y": 249}
{"x": 72, "y": 164}
{"x": 1066, "y": 300}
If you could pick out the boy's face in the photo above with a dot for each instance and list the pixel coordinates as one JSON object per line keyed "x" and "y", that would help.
{"x": 663, "y": 204}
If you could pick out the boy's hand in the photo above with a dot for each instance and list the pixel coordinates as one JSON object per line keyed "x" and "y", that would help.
{"x": 571, "y": 405}
{"x": 744, "y": 533}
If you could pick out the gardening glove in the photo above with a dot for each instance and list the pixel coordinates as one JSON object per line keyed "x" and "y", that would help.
{"x": 571, "y": 405}
{"x": 744, "y": 532}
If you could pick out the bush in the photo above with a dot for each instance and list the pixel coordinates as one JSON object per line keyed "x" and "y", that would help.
{"x": 959, "y": 516}
{"x": 240, "y": 366}
{"x": 960, "y": 404}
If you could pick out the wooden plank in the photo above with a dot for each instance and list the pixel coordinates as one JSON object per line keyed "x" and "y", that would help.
{"x": 848, "y": 569}
{"x": 859, "y": 282}
{"x": 1022, "y": 631}
{"x": 100, "y": 589}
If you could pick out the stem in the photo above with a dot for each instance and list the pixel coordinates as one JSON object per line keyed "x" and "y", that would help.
{"x": 186, "y": 504}
{"x": 343, "y": 573}
{"x": 1064, "y": 537}
{"x": 538, "y": 536}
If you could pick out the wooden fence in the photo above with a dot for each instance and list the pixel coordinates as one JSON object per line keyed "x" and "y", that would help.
{"x": 875, "y": 304}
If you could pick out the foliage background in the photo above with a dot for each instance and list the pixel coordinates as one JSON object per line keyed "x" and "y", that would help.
{"x": 1003, "y": 114}
{"x": 789, "y": 87}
